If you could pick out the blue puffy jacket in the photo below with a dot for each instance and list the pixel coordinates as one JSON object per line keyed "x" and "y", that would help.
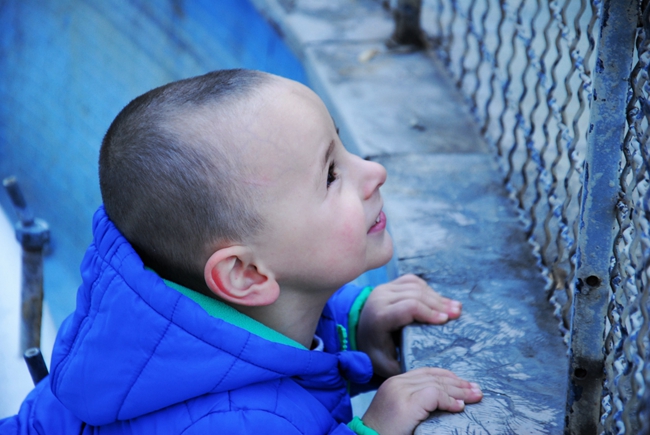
{"x": 140, "y": 356}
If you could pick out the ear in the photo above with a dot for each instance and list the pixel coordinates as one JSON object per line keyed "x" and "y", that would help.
{"x": 232, "y": 275}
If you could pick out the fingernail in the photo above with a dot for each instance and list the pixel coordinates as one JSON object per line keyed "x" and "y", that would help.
{"x": 475, "y": 387}
{"x": 443, "y": 317}
{"x": 460, "y": 402}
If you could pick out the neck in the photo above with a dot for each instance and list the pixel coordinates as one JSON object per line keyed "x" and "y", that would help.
{"x": 294, "y": 314}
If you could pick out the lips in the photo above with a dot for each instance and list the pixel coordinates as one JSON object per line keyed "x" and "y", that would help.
{"x": 379, "y": 225}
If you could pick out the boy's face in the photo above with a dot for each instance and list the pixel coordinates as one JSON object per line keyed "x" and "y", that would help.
{"x": 323, "y": 216}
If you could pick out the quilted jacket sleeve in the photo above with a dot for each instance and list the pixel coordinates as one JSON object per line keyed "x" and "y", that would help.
{"x": 255, "y": 422}
{"x": 346, "y": 305}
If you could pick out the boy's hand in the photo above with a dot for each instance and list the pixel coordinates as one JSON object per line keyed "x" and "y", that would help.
{"x": 403, "y": 401}
{"x": 393, "y": 305}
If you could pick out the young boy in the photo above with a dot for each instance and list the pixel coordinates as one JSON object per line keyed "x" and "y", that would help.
{"x": 214, "y": 295}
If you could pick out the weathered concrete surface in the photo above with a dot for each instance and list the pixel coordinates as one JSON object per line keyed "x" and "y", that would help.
{"x": 448, "y": 212}
{"x": 403, "y": 98}
{"x": 384, "y": 101}
{"x": 454, "y": 226}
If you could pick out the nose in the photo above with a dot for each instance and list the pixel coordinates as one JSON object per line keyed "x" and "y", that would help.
{"x": 374, "y": 176}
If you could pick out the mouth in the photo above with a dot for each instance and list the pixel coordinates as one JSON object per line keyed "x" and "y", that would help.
{"x": 380, "y": 224}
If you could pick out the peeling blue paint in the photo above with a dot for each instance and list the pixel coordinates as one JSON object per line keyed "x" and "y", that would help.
{"x": 600, "y": 67}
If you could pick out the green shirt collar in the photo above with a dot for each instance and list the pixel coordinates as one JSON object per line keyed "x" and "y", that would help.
{"x": 228, "y": 314}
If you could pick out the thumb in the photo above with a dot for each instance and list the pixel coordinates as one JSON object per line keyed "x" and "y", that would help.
{"x": 385, "y": 364}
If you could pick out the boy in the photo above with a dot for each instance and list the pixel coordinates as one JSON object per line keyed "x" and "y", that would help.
{"x": 214, "y": 296}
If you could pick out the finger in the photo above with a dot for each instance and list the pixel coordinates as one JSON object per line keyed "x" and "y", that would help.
{"x": 401, "y": 307}
{"x": 413, "y": 281}
{"x": 411, "y": 310}
{"x": 436, "y": 301}
{"x": 427, "y": 295}
{"x": 444, "y": 379}
{"x": 475, "y": 395}
{"x": 454, "y": 308}
{"x": 441, "y": 303}
{"x": 446, "y": 402}
{"x": 426, "y": 314}
{"x": 432, "y": 371}
{"x": 454, "y": 386}
{"x": 409, "y": 278}
{"x": 467, "y": 393}
{"x": 430, "y": 398}
{"x": 429, "y": 374}
{"x": 434, "y": 396}
{"x": 416, "y": 379}
{"x": 425, "y": 378}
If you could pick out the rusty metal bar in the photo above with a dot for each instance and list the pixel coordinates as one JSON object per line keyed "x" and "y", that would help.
{"x": 597, "y": 218}
{"x": 33, "y": 234}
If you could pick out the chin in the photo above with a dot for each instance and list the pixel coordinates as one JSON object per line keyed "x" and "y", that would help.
{"x": 383, "y": 257}
{"x": 377, "y": 264}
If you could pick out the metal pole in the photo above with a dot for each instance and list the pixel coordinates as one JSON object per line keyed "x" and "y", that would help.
{"x": 407, "y": 23}
{"x": 597, "y": 214}
{"x": 32, "y": 233}
{"x": 31, "y": 299}
{"x": 35, "y": 364}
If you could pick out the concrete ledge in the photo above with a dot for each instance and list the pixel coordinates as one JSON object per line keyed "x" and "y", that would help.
{"x": 457, "y": 229}
{"x": 384, "y": 101}
{"x": 397, "y": 95}
{"x": 448, "y": 211}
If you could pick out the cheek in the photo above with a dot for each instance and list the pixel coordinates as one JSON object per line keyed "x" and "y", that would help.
{"x": 353, "y": 226}
{"x": 353, "y": 236}
{"x": 347, "y": 241}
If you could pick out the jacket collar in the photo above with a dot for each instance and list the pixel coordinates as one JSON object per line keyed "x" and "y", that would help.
{"x": 225, "y": 312}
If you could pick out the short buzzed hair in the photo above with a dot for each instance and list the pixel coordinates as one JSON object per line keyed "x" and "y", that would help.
{"x": 173, "y": 193}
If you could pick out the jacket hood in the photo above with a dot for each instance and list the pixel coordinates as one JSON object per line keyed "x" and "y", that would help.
{"x": 135, "y": 345}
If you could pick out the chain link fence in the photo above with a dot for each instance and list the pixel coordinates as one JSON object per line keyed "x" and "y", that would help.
{"x": 526, "y": 69}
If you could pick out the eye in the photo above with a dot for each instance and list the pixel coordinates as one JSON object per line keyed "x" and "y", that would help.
{"x": 331, "y": 174}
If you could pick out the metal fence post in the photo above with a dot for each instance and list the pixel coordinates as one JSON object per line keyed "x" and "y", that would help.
{"x": 32, "y": 233}
{"x": 597, "y": 218}
{"x": 407, "y": 23}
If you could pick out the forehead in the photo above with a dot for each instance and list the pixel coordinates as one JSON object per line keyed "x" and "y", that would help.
{"x": 287, "y": 133}
{"x": 288, "y": 108}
